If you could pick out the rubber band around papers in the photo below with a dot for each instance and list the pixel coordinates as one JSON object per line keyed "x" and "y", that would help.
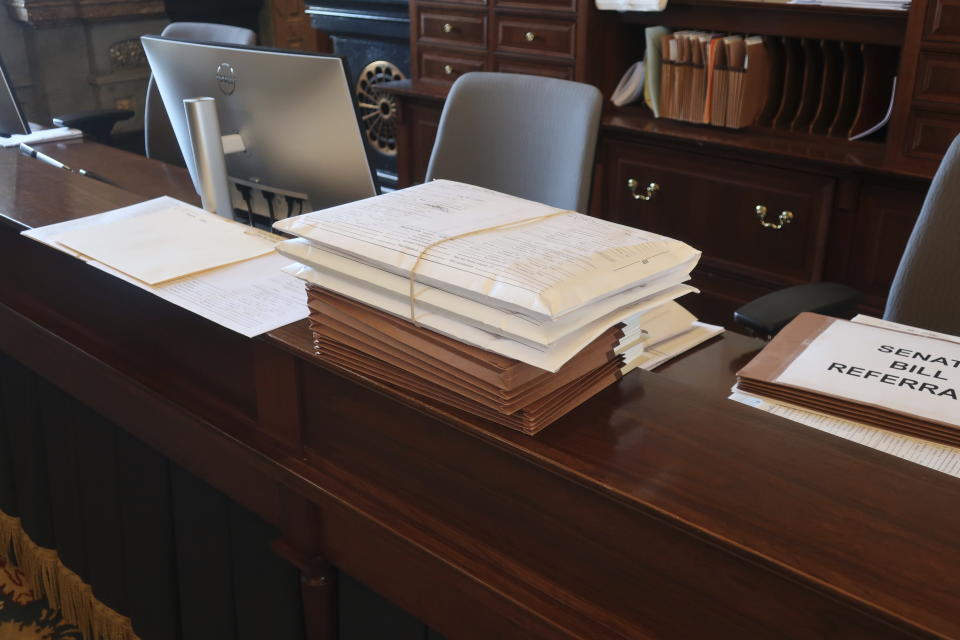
{"x": 499, "y": 227}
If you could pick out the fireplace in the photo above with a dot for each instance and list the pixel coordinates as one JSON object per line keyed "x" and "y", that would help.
{"x": 373, "y": 38}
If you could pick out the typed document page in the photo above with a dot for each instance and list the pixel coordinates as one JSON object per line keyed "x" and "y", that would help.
{"x": 544, "y": 268}
{"x": 911, "y": 374}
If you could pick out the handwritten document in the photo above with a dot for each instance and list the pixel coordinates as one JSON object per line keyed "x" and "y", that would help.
{"x": 537, "y": 334}
{"x": 550, "y": 358}
{"x": 249, "y": 297}
{"x": 541, "y": 269}
{"x": 164, "y": 238}
{"x": 929, "y": 454}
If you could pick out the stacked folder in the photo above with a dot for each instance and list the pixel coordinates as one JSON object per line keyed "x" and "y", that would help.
{"x": 713, "y": 79}
{"x": 871, "y": 375}
{"x": 488, "y": 304}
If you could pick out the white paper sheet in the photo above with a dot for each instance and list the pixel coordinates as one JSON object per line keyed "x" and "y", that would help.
{"x": 929, "y": 454}
{"x": 43, "y": 135}
{"x": 536, "y": 334}
{"x": 543, "y": 269}
{"x": 905, "y": 372}
{"x": 896, "y": 326}
{"x": 164, "y": 238}
{"x": 550, "y": 359}
{"x": 250, "y": 297}
{"x": 657, "y": 354}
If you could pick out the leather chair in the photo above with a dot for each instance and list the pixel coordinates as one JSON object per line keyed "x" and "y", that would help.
{"x": 924, "y": 292}
{"x": 527, "y": 136}
{"x": 159, "y": 139}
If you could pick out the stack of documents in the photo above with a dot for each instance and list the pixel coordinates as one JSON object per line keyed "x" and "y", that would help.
{"x": 428, "y": 279}
{"x": 872, "y": 375}
{"x": 221, "y": 270}
{"x": 653, "y": 337}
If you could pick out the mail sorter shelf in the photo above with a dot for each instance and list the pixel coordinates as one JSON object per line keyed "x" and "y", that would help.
{"x": 802, "y": 85}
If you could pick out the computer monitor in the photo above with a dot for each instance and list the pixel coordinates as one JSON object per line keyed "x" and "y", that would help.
{"x": 293, "y": 112}
{"x": 12, "y": 120}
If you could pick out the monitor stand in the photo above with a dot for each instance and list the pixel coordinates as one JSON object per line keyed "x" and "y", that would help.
{"x": 209, "y": 150}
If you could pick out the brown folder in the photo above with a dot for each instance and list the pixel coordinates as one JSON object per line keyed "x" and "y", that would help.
{"x": 417, "y": 360}
{"x": 436, "y": 370}
{"x": 530, "y": 419}
{"x": 760, "y": 375}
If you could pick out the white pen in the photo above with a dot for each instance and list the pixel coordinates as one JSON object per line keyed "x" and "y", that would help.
{"x": 27, "y": 150}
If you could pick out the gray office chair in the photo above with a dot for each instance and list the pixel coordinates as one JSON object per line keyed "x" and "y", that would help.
{"x": 159, "y": 140}
{"x": 924, "y": 292}
{"x": 528, "y": 136}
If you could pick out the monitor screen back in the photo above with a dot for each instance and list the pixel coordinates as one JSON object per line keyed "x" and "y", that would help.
{"x": 293, "y": 111}
{"x": 12, "y": 120}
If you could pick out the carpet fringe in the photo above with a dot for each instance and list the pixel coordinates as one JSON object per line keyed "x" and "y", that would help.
{"x": 64, "y": 589}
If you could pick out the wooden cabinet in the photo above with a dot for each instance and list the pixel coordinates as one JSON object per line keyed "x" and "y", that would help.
{"x": 852, "y": 204}
{"x": 711, "y": 203}
{"x": 540, "y": 37}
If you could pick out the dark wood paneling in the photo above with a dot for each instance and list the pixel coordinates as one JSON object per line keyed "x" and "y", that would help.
{"x": 425, "y": 124}
{"x": 938, "y": 78}
{"x": 884, "y": 221}
{"x": 929, "y": 134}
{"x": 943, "y": 21}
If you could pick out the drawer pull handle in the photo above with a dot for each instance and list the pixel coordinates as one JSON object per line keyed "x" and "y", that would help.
{"x": 447, "y": 27}
{"x": 785, "y": 218}
{"x": 650, "y": 191}
{"x": 530, "y": 36}
{"x": 447, "y": 69}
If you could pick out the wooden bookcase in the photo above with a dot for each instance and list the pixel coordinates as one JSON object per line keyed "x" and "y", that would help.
{"x": 853, "y": 203}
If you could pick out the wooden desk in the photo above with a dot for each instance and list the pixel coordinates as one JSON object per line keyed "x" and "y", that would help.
{"x": 657, "y": 509}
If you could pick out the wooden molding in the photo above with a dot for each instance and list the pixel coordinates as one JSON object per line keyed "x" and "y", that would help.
{"x": 49, "y": 13}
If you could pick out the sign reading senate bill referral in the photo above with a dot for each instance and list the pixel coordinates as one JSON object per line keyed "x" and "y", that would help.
{"x": 906, "y": 373}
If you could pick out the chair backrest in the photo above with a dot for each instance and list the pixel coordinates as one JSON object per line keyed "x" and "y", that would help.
{"x": 159, "y": 140}
{"x": 527, "y": 136}
{"x": 925, "y": 290}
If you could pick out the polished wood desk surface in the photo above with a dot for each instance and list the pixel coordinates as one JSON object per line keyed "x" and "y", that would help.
{"x": 657, "y": 509}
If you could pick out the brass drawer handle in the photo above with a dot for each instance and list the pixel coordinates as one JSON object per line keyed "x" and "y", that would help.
{"x": 447, "y": 27}
{"x": 785, "y": 218}
{"x": 650, "y": 191}
{"x": 447, "y": 69}
{"x": 530, "y": 36}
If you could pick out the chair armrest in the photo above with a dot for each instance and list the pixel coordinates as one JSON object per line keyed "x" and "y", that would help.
{"x": 96, "y": 123}
{"x": 768, "y": 314}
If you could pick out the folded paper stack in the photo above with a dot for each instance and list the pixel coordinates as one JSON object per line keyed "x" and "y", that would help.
{"x": 871, "y": 375}
{"x": 497, "y": 306}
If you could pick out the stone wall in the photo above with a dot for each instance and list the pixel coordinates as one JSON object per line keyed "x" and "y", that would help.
{"x": 67, "y": 60}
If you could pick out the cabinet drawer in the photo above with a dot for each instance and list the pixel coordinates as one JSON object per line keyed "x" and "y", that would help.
{"x": 942, "y": 21}
{"x": 548, "y": 5}
{"x": 929, "y": 134}
{"x": 443, "y": 66}
{"x": 536, "y": 36}
{"x": 442, "y": 26}
{"x": 510, "y": 65}
{"x": 938, "y": 78}
{"x": 710, "y": 203}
